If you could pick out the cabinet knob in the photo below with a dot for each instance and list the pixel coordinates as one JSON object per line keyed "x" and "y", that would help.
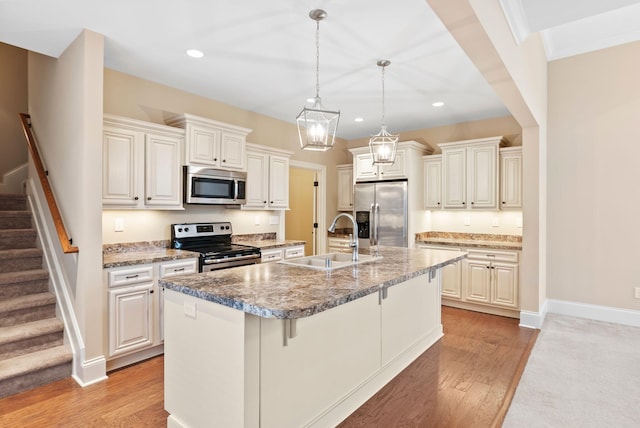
{"x": 136, "y": 198}
{"x": 148, "y": 198}
{"x": 215, "y": 159}
{"x": 464, "y": 203}
{"x": 264, "y": 202}
{"x": 150, "y": 291}
{"x": 503, "y": 202}
{"x": 271, "y": 202}
{"x": 438, "y": 203}
{"x": 224, "y": 160}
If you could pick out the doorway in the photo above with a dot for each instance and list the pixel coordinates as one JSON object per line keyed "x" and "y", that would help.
{"x": 306, "y": 206}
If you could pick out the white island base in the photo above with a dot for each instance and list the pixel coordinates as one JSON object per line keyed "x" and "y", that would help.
{"x": 227, "y": 368}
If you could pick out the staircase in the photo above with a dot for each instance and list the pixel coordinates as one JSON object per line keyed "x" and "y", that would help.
{"x": 31, "y": 337}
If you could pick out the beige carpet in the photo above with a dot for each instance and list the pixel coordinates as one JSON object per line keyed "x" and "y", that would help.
{"x": 581, "y": 373}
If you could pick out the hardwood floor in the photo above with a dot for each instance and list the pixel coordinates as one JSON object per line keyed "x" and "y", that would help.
{"x": 465, "y": 380}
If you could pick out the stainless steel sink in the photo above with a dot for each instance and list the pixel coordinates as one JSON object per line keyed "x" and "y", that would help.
{"x": 335, "y": 261}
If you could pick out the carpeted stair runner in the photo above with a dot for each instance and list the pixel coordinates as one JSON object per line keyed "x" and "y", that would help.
{"x": 31, "y": 337}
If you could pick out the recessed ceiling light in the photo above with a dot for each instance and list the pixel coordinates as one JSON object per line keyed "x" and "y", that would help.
{"x": 195, "y": 53}
{"x": 438, "y": 104}
{"x": 358, "y": 119}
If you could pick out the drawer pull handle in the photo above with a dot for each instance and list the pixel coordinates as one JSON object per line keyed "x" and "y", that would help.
{"x": 132, "y": 276}
{"x": 178, "y": 270}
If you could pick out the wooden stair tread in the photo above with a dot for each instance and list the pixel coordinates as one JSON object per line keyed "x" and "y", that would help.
{"x": 23, "y": 275}
{"x": 34, "y": 361}
{"x": 30, "y": 329}
{"x": 28, "y": 301}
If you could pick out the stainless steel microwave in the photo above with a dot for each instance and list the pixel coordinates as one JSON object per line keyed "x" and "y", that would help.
{"x": 203, "y": 185}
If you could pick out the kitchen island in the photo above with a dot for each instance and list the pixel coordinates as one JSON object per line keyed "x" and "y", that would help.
{"x": 275, "y": 345}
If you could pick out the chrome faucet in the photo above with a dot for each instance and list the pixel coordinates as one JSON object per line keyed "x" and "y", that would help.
{"x": 353, "y": 241}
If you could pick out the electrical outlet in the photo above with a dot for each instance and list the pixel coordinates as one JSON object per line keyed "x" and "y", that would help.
{"x": 495, "y": 222}
{"x": 118, "y": 224}
{"x": 257, "y": 220}
{"x": 273, "y": 219}
{"x": 190, "y": 309}
{"x": 467, "y": 220}
{"x": 636, "y": 292}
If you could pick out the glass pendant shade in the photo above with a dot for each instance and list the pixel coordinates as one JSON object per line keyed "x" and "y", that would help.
{"x": 383, "y": 144}
{"x": 317, "y": 127}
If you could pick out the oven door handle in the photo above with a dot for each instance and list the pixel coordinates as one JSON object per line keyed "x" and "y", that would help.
{"x": 230, "y": 259}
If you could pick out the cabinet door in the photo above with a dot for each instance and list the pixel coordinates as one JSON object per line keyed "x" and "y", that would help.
{"x": 232, "y": 151}
{"x": 130, "y": 319}
{"x": 257, "y": 180}
{"x": 203, "y": 145}
{"x": 452, "y": 281}
{"x": 345, "y": 188}
{"x": 162, "y": 171}
{"x": 504, "y": 284}
{"x": 278, "y": 182}
{"x": 511, "y": 179}
{"x": 364, "y": 169}
{"x": 454, "y": 179}
{"x": 482, "y": 164}
{"x": 433, "y": 183}
{"x": 396, "y": 169}
{"x": 294, "y": 252}
{"x": 120, "y": 167}
{"x": 478, "y": 276}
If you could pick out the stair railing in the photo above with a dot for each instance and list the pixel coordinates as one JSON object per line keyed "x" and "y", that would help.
{"x": 65, "y": 241}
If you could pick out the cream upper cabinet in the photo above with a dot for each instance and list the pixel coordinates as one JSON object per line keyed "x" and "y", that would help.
{"x": 365, "y": 170}
{"x": 345, "y": 187}
{"x": 403, "y": 167}
{"x": 267, "y": 178}
{"x": 511, "y": 177}
{"x": 212, "y": 143}
{"x": 141, "y": 165}
{"x": 432, "y": 181}
{"x": 470, "y": 173}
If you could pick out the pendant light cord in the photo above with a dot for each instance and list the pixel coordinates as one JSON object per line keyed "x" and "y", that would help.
{"x": 317, "y": 59}
{"x": 383, "y": 67}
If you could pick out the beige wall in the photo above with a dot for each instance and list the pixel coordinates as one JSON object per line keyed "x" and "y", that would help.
{"x": 13, "y": 100}
{"x": 594, "y": 105}
{"x": 65, "y": 103}
{"x": 129, "y": 96}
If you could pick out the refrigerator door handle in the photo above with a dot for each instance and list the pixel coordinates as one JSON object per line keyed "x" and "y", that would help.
{"x": 372, "y": 226}
{"x": 377, "y": 222}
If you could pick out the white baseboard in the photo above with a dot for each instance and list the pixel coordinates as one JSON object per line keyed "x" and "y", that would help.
{"x": 90, "y": 371}
{"x": 594, "y": 312}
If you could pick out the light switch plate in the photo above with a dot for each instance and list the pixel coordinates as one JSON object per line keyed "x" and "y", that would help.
{"x": 636, "y": 292}
{"x": 118, "y": 224}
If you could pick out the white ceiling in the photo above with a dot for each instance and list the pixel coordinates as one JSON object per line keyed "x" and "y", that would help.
{"x": 260, "y": 55}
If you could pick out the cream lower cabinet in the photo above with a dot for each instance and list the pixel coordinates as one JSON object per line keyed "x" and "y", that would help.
{"x": 282, "y": 253}
{"x": 486, "y": 281}
{"x": 141, "y": 165}
{"x": 339, "y": 245}
{"x": 267, "y": 178}
{"x": 136, "y": 309}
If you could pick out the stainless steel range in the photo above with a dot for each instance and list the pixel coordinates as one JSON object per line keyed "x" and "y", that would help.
{"x": 213, "y": 242}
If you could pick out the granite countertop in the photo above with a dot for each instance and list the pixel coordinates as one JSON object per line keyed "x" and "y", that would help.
{"x": 136, "y": 253}
{"x": 470, "y": 240}
{"x": 275, "y": 290}
{"x": 265, "y": 244}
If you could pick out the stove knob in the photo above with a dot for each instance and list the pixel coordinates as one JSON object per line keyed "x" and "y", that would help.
{"x": 226, "y": 227}
{"x": 221, "y": 227}
{"x": 179, "y": 229}
{"x": 186, "y": 229}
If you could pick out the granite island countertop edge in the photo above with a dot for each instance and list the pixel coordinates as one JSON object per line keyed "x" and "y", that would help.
{"x": 334, "y": 297}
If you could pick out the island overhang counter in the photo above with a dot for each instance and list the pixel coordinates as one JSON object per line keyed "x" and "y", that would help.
{"x": 275, "y": 345}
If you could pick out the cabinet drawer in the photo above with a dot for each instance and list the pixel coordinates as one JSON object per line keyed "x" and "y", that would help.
{"x": 181, "y": 267}
{"x": 120, "y": 277}
{"x": 271, "y": 255}
{"x": 492, "y": 255}
{"x": 292, "y": 252}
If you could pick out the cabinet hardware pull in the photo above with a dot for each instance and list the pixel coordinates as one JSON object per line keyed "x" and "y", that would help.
{"x": 224, "y": 160}
{"x": 503, "y": 202}
{"x": 271, "y": 202}
{"x": 148, "y": 198}
{"x": 178, "y": 269}
{"x": 150, "y": 291}
{"x": 464, "y": 203}
{"x": 472, "y": 203}
{"x": 215, "y": 159}
{"x": 135, "y": 198}
{"x": 132, "y": 276}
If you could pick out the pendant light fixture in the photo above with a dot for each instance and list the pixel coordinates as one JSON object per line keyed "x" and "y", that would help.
{"x": 383, "y": 145}
{"x": 316, "y": 125}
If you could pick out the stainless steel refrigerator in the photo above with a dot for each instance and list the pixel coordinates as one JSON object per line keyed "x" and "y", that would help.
{"x": 380, "y": 210}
